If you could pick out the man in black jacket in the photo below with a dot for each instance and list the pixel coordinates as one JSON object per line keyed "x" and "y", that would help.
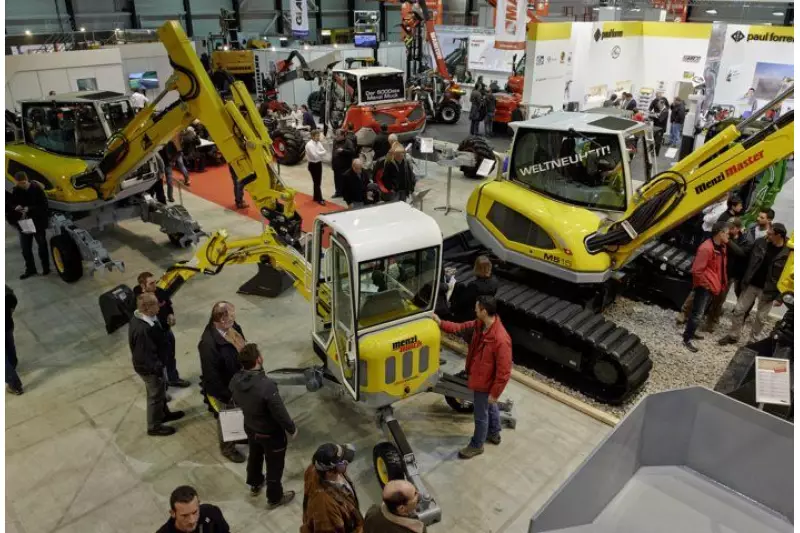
{"x": 166, "y": 317}
{"x": 13, "y": 383}
{"x": 659, "y": 117}
{"x": 760, "y": 283}
{"x": 343, "y": 153}
{"x": 267, "y": 424}
{"x": 219, "y": 348}
{"x": 354, "y": 184}
{"x": 147, "y": 352}
{"x": 188, "y": 515}
{"x": 678, "y": 116}
{"x": 28, "y": 200}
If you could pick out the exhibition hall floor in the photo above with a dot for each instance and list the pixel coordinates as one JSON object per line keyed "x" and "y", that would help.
{"x": 78, "y": 458}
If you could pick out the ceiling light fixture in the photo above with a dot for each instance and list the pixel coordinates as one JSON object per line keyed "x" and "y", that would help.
{"x": 83, "y": 29}
{"x": 635, "y": 10}
{"x": 27, "y": 32}
{"x": 778, "y": 13}
{"x": 711, "y": 11}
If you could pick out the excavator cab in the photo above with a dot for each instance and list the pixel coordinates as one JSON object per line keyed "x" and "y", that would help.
{"x": 373, "y": 302}
{"x": 569, "y": 174}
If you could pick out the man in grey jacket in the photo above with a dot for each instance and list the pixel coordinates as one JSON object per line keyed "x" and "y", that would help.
{"x": 148, "y": 350}
{"x": 267, "y": 424}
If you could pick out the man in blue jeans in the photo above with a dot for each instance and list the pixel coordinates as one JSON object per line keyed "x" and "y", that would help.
{"x": 488, "y": 369}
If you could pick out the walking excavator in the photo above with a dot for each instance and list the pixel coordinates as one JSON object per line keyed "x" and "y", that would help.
{"x": 372, "y": 298}
{"x": 580, "y": 201}
{"x": 84, "y": 150}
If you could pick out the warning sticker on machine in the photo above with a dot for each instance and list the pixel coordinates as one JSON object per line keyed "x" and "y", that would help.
{"x": 563, "y": 161}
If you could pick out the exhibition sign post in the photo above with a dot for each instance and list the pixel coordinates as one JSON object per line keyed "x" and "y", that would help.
{"x": 299, "y": 14}
{"x": 511, "y": 17}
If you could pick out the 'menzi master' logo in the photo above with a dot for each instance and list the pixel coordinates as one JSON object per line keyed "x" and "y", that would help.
{"x": 610, "y": 34}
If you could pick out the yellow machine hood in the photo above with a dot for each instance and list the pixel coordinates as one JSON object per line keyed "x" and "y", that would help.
{"x": 535, "y": 232}
{"x": 56, "y": 169}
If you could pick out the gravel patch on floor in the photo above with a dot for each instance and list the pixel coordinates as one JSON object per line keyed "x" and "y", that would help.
{"x": 673, "y": 365}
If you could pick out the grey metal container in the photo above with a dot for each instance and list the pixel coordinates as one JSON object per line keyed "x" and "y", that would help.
{"x": 688, "y": 461}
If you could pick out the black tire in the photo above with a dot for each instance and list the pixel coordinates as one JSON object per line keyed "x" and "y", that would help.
{"x": 459, "y": 406}
{"x": 481, "y": 149}
{"x": 387, "y": 463}
{"x": 288, "y": 146}
{"x": 66, "y": 258}
{"x": 175, "y": 239}
{"x": 315, "y": 102}
{"x": 449, "y": 113}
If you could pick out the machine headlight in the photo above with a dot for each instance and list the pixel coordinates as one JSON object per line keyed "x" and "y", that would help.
{"x": 788, "y": 298}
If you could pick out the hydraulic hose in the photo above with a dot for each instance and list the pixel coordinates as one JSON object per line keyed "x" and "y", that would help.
{"x": 647, "y": 215}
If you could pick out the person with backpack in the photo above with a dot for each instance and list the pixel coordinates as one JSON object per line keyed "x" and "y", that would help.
{"x": 476, "y": 110}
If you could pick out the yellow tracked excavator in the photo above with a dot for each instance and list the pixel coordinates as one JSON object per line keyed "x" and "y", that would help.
{"x": 581, "y": 199}
{"x": 372, "y": 298}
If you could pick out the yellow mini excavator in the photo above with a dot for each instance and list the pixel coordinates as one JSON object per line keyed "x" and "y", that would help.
{"x": 95, "y": 173}
{"x": 372, "y": 298}
{"x": 580, "y": 201}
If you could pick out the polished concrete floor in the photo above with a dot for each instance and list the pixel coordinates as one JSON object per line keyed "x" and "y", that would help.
{"x": 78, "y": 458}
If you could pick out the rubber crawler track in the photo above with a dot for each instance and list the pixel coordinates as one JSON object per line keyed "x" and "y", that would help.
{"x": 567, "y": 341}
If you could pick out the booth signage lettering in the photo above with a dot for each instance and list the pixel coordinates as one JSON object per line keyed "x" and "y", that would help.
{"x": 730, "y": 171}
{"x": 378, "y": 95}
{"x": 610, "y": 34}
{"x": 563, "y": 161}
{"x": 691, "y": 59}
{"x": 768, "y": 36}
{"x": 437, "y": 49}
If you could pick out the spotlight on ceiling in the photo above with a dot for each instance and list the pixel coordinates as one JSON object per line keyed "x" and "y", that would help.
{"x": 27, "y": 32}
{"x": 778, "y": 13}
{"x": 711, "y": 11}
{"x": 83, "y": 29}
{"x": 635, "y": 10}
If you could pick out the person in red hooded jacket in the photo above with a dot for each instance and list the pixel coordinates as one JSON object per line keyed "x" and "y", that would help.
{"x": 709, "y": 278}
{"x": 488, "y": 369}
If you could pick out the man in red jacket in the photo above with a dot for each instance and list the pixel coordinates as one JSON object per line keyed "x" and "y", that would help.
{"x": 709, "y": 278}
{"x": 488, "y": 368}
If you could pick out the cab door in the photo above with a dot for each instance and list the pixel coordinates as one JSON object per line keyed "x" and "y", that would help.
{"x": 344, "y": 288}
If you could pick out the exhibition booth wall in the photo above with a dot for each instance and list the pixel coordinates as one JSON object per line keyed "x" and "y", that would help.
{"x": 35, "y": 75}
{"x": 585, "y": 62}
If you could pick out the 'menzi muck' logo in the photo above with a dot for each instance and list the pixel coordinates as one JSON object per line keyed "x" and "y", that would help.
{"x": 610, "y": 34}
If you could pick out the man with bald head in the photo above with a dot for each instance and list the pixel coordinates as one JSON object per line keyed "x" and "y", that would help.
{"x": 354, "y": 184}
{"x": 219, "y": 348}
{"x": 397, "y": 513}
{"x": 149, "y": 355}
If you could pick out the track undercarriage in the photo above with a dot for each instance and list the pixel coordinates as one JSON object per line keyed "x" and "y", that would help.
{"x": 557, "y": 330}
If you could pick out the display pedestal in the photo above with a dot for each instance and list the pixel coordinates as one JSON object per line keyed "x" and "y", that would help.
{"x": 447, "y": 207}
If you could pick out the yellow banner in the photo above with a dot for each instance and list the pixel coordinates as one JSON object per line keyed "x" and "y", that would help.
{"x": 549, "y": 31}
{"x": 676, "y": 30}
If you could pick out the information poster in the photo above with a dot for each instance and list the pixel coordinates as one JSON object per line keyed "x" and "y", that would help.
{"x": 483, "y": 55}
{"x": 773, "y": 381}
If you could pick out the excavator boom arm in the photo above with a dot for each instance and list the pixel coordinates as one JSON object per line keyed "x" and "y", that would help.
{"x": 724, "y": 163}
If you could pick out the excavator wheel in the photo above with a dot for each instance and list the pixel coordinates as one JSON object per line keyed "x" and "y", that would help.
{"x": 288, "y": 146}
{"x": 481, "y": 149}
{"x": 66, "y": 258}
{"x": 315, "y": 102}
{"x": 449, "y": 113}
{"x": 387, "y": 463}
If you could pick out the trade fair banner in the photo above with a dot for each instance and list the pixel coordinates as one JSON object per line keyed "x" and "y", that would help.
{"x": 510, "y": 19}
{"x": 483, "y": 55}
{"x": 299, "y": 14}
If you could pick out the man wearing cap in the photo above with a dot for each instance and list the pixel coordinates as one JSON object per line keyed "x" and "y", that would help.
{"x": 397, "y": 513}
{"x": 760, "y": 283}
{"x": 330, "y": 503}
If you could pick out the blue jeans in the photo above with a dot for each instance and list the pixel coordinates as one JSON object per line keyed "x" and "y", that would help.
{"x": 702, "y": 297}
{"x": 182, "y": 167}
{"x": 487, "y": 419}
{"x": 12, "y": 378}
{"x": 675, "y": 134}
